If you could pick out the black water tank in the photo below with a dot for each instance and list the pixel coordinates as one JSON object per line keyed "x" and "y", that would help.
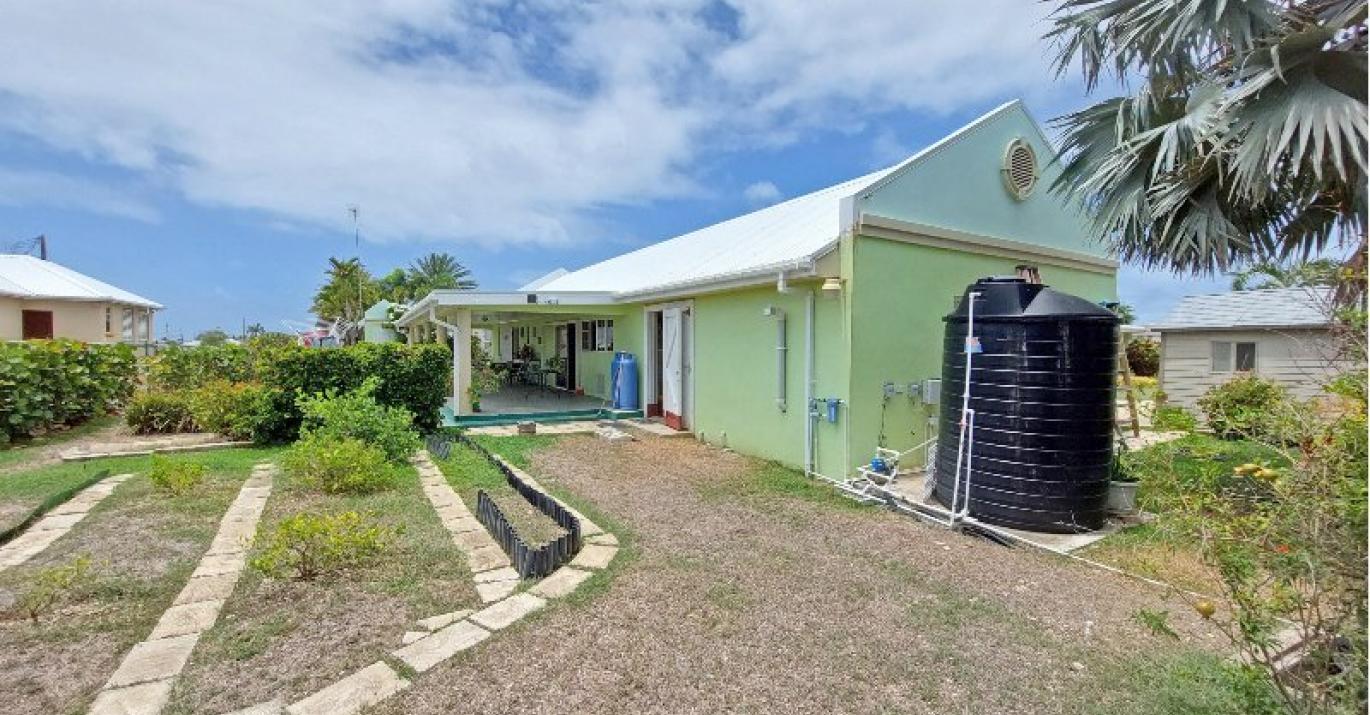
{"x": 1042, "y": 388}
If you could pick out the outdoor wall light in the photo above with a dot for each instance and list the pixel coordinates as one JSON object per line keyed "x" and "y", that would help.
{"x": 832, "y": 286}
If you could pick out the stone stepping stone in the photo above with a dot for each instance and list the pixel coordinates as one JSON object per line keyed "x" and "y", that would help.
{"x": 145, "y": 699}
{"x": 594, "y": 556}
{"x": 508, "y": 611}
{"x": 352, "y": 694}
{"x": 56, "y": 523}
{"x": 154, "y": 660}
{"x": 441, "y": 645}
{"x": 607, "y": 539}
{"x": 561, "y": 582}
{"x": 433, "y": 623}
{"x": 492, "y": 591}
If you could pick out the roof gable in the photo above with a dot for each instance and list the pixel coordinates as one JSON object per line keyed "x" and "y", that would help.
{"x": 27, "y": 277}
{"x": 958, "y": 184}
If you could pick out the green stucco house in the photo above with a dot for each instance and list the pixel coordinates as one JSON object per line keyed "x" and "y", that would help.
{"x": 747, "y": 331}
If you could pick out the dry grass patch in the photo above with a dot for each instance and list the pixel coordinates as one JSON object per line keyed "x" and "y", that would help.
{"x": 142, "y": 546}
{"x": 286, "y": 638}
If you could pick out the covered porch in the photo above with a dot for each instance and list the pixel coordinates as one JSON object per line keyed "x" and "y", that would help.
{"x": 535, "y": 356}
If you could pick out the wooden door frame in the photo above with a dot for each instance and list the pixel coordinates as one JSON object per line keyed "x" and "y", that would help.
{"x": 650, "y": 369}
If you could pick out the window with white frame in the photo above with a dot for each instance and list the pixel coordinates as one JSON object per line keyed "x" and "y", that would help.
{"x": 597, "y": 336}
{"x": 1233, "y": 357}
{"x": 126, "y": 327}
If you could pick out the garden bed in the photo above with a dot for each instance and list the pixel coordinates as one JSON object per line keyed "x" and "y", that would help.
{"x": 469, "y": 472}
{"x": 142, "y": 545}
{"x": 287, "y": 638}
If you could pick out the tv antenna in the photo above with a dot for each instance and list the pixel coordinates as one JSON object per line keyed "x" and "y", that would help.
{"x": 355, "y": 211}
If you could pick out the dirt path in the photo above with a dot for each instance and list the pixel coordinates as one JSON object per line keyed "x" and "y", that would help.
{"x": 737, "y": 599}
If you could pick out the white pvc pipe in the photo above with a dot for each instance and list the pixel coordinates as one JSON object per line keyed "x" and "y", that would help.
{"x": 781, "y": 358}
{"x": 965, "y": 404}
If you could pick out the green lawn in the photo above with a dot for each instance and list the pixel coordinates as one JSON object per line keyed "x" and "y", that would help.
{"x": 469, "y": 473}
{"x": 142, "y": 544}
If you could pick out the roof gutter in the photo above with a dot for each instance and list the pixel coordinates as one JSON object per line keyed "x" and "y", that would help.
{"x": 806, "y": 267}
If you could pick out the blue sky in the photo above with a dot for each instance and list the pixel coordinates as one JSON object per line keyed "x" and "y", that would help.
{"x": 205, "y": 156}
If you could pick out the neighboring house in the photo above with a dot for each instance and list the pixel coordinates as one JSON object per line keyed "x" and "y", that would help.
{"x": 376, "y": 326}
{"x": 41, "y": 299}
{"x": 1282, "y": 334}
{"x": 747, "y": 330}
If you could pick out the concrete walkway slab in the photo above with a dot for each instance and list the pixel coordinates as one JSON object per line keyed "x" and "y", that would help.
{"x": 56, "y": 523}
{"x": 145, "y": 699}
{"x": 441, "y": 645}
{"x": 508, "y": 611}
{"x": 352, "y": 694}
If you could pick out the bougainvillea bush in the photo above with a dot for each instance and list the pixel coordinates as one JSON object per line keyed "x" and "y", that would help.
{"x": 47, "y": 383}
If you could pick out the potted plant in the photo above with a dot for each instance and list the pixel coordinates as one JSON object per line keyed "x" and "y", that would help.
{"x": 1122, "y": 485}
{"x": 484, "y": 380}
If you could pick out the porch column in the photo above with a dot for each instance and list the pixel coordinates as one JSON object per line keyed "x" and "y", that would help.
{"x": 461, "y": 352}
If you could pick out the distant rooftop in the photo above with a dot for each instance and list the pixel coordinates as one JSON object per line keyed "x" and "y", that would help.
{"x": 1269, "y": 308}
{"x": 31, "y": 278}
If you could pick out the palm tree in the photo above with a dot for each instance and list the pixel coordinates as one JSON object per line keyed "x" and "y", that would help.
{"x": 346, "y": 295}
{"x": 439, "y": 271}
{"x": 1268, "y": 274}
{"x": 1244, "y": 140}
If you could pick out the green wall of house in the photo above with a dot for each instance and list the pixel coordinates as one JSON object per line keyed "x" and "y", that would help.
{"x": 592, "y": 367}
{"x": 735, "y": 372}
{"x": 898, "y": 300}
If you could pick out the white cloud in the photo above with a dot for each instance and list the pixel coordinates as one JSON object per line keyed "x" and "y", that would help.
{"x": 46, "y": 188}
{"x": 761, "y": 192}
{"x": 475, "y": 120}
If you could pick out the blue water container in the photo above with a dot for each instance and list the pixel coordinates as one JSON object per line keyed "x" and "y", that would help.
{"x": 623, "y": 374}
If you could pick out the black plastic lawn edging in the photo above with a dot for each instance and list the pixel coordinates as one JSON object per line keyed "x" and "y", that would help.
{"x": 52, "y": 502}
{"x": 528, "y": 561}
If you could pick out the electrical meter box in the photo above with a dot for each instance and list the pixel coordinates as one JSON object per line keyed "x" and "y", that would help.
{"x": 932, "y": 392}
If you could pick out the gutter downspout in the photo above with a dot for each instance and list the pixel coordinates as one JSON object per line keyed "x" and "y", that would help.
{"x": 809, "y": 416}
{"x": 456, "y": 389}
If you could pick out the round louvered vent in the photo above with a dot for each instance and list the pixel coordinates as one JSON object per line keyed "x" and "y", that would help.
{"x": 1020, "y": 169}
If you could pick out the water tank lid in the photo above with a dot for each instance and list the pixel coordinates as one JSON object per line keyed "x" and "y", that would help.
{"x": 1015, "y": 298}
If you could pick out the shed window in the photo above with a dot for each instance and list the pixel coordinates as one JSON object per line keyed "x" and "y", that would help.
{"x": 109, "y": 321}
{"x": 126, "y": 330}
{"x": 1233, "y": 357}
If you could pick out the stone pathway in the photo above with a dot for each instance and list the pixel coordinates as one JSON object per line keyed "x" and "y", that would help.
{"x": 140, "y": 449}
{"x": 142, "y": 683}
{"x": 494, "y": 573}
{"x": 57, "y": 522}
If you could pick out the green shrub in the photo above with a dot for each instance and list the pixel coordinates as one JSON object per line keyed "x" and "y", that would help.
{"x": 1174, "y": 418}
{"x": 44, "y": 383}
{"x": 309, "y": 545}
{"x": 238, "y": 411}
{"x": 175, "y": 476}
{"x": 53, "y": 584}
{"x": 410, "y": 376}
{"x": 357, "y": 415}
{"x": 160, "y": 412}
{"x": 1242, "y": 407}
{"x": 1144, "y": 357}
{"x": 339, "y": 466}
{"x": 179, "y": 368}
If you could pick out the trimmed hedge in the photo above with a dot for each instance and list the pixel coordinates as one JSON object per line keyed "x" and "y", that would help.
{"x": 411, "y": 376}
{"x": 45, "y": 383}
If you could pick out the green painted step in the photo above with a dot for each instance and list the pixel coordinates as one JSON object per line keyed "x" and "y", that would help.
{"x": 484, "y": 419}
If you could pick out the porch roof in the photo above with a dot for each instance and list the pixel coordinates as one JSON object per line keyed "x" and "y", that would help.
{"x": 503, "y": 301}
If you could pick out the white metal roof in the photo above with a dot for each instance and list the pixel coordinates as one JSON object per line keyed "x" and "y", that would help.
{"x": 1268, "y": 308}
{"x": 788, "y": 235}
{"x": 32, "y": 278}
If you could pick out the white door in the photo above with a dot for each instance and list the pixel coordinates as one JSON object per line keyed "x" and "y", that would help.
{"x": 673, "y": 368}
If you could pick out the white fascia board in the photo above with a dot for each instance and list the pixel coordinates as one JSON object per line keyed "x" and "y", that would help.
{"x": 800, "y": 268}
{"x": 486, "y": 299}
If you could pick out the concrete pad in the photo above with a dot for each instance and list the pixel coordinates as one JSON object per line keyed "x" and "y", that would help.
{"x": 503, "y": 574}
{"x": 145, "y": 699}
{"x": 492, "y": 591}
{"x": 508, "y": 611}
{"x": 464, "y": 524}
{"x": 411, "y": 636}
{"x": 352, "y": 694}
{"x": 58, "y": 521}
{"x": 561, "y": 582}
{"x": 271, "y": 707}
{"x": 79, "y": 504}
{"x": 153, "y": 660}
{"x": 428, "y": 652}
{"x": 469, "y": 541}
{"x": 207, "y": 588}
{"x": 187, "y": 618}
{"x": 27, "y": 545}
{"x": 607, "y": 539}
{"x": 215, "y": 564}
{"x": 594, "y": 556}
{"x": 433, "y": 623}
{"x": 486, "y": 558}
